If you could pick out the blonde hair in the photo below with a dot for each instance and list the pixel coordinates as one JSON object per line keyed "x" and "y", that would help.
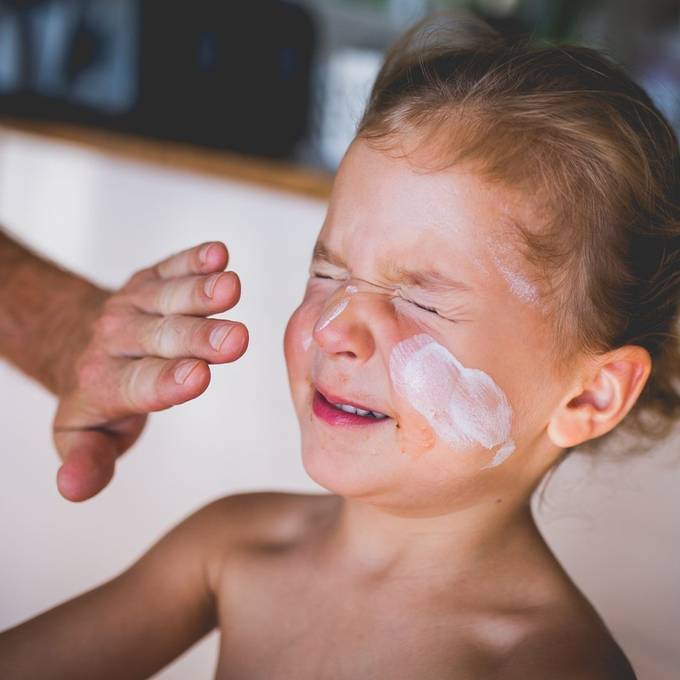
{"x": 565, "y": 124}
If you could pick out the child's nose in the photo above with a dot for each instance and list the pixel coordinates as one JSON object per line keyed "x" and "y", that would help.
{"x": 344, "y": 325}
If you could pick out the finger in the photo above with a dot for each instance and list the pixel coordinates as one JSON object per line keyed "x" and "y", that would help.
{"x": 89, "y": 462}
{"x": 171, "y": 337}
{"x": 198, "y": 295}
{"x": 120, "y": 387}
{"x": 207, "y": 257}
{"x": 153, "y": 384}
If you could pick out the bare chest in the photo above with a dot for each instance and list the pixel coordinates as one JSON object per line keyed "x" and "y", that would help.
{"x": 306, "y": 625}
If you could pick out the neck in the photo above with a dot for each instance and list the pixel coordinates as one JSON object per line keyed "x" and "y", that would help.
{"x": 372, "y": 541}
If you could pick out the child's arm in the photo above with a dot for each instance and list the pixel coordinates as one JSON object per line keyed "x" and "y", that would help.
{"x": 136, "y": 623}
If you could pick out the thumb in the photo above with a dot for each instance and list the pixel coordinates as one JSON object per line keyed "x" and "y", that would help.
{"x": 89, "y": 461}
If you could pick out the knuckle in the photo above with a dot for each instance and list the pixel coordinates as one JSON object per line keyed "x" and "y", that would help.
{"x": 107, "y": 324}
{"x": 163, "y": 299}
{"x": 198, "y": 335}
{"x": 88, "y": 370}
{"x": 131, "y": 386}
{"x": 164, "y": 335}
{"x": 158, "y": 339}
{"x": 204, "y": 288}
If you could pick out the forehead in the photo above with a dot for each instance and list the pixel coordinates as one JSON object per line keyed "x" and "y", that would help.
{"x": 415, "y": 214}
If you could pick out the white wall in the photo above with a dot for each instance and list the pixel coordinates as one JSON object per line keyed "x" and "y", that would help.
{"x": 615, "y": 527}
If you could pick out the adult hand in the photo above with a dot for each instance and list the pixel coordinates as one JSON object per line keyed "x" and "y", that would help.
{"x": 143, "y": 348}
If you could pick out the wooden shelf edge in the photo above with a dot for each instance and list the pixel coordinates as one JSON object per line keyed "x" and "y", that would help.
{"x": 272, "y": 174}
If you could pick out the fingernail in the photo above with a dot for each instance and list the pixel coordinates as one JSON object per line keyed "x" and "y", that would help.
{"x": 203, "y": 253}
{"x": 209, "y": 285}
{"x": 218, "y": 336}
{"x": 183, "y": 370}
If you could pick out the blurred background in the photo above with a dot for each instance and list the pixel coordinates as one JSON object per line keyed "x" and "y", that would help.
{"x": 131, "y": 129}
{"x": 273, "y": 78}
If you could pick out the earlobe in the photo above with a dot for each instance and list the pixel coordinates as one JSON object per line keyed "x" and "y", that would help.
{"x": 603, "y": 400}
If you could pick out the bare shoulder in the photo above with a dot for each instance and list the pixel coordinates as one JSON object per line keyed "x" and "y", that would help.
{"x": 566, "y": 641}
{"x": 266, "y": 515}
{"x": 256, "y": 519}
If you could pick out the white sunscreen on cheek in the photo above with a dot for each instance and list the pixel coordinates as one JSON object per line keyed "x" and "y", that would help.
{"x": 464, "y": 406}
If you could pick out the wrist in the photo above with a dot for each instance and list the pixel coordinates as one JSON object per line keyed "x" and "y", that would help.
{"x": 46, "y": 314}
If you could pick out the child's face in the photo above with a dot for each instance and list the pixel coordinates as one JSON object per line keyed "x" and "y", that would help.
{"x": 467, "y": 389}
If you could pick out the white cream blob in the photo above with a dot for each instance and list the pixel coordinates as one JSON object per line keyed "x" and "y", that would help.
{"x": 464, "y": 406}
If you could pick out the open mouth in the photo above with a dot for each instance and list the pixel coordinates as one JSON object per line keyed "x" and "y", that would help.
{"x": 344, "y": 414}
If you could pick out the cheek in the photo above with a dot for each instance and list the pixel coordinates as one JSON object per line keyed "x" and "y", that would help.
{"x": 298, "y": 334}
{"x": 294, "y": 338}
{"x": 461, "y": 408}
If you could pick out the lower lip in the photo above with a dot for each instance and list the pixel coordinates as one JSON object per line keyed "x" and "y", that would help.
{"x": 334, "y": 416}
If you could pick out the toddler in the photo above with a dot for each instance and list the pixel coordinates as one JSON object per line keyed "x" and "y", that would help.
{"x": 496, "y": 282}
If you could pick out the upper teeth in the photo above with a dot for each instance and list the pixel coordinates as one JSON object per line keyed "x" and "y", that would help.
{"x": 360, "y": 411}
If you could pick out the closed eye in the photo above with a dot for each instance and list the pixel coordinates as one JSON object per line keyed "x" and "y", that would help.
{"x": 316, "y": 275}
{"x": 428, "y": 309}
{"x": 432, "y": 310}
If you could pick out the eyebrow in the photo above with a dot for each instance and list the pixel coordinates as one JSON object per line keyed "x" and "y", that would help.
{"x": 430, "y": 279}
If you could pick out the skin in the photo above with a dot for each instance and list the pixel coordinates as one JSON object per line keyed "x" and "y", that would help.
{"x": 414, "y": 566}
{"x": 113, "y": 356}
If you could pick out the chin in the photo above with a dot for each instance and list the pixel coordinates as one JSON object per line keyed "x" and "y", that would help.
{"x": 348, "y": 477}
{"x": 341, "y": 472}
{"x": 328, "y": 469}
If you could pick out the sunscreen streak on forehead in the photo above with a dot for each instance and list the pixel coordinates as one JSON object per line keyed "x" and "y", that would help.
{"x": 517, "y": 283}
{"x": 464, "y": 406}
{"x": 503, "y": 256}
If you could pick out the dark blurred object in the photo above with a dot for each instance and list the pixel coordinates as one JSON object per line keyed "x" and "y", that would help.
{"x": 233, "y": 75}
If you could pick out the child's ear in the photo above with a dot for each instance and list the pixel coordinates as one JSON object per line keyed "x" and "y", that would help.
{"x": 604, "y": 397}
